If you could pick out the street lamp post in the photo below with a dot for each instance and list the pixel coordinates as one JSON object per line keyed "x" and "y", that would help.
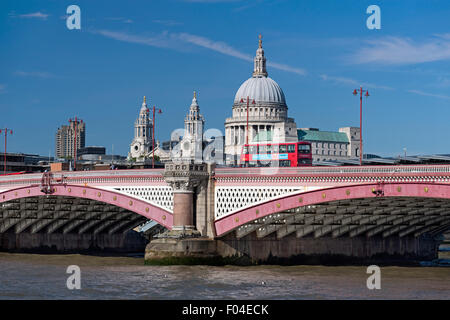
{"x": 246, "y": 131}
{"x": 4, "y": 157}
{"x": 355, "y": 92}
{"x": 153, "y": 134}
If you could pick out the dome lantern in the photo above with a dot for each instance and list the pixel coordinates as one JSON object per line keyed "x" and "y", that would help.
{"x": 259, "y": 69}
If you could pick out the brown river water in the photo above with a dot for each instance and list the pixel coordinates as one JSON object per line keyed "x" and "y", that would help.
{"x": 34, "y": 276}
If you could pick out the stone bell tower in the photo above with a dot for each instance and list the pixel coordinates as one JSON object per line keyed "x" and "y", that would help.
{"x": 141, "y": 145}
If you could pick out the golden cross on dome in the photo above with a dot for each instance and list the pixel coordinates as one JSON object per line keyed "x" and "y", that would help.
{"x": 144, "y": 100}
{"x": 260, "y": 40}
{"x": 195, "y": 95}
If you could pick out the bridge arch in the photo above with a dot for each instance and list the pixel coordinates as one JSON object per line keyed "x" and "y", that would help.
{"x": 141, "y": 207}
{"x": 369, "y": 191}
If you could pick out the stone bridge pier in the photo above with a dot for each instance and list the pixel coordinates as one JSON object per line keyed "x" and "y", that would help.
{"x": 192, "y": 203}
{"x": 191, "y": 238}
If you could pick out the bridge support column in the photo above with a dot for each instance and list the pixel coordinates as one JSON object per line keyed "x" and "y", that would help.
{"x": 191, "y": 238}
{"x": 184, "y": 178}
{"x": 183, "y": 210}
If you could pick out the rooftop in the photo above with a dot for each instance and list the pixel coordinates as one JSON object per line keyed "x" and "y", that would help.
{"x": 326, "y": 136}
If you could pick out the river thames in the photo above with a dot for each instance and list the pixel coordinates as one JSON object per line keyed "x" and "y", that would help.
{"x": 34, "y": 276}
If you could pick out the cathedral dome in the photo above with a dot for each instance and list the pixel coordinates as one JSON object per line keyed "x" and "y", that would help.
{"x": 260, "y": 87}
{"x": 262, "y": 90}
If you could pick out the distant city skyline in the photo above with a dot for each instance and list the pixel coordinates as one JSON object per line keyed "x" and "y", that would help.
{"x": 317, "y": 51}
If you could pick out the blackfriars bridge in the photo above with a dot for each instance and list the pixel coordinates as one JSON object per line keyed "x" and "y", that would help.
{"x": 261, "y": 213}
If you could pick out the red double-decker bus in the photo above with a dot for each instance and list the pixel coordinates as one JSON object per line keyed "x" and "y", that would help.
{"x": 294, "y": 154}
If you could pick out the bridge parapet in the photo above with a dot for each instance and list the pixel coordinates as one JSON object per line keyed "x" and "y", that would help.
{"x": 343, "y": 173}
{"x": 103, "y": 177}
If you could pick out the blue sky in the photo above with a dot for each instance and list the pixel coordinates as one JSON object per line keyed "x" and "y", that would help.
{"x": 317, "y": 51}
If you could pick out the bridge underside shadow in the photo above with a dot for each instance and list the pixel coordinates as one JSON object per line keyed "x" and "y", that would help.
{"x": 68, "y": 224}
{"x": 354, "y": 224}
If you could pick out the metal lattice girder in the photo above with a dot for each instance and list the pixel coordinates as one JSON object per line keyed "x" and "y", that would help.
{"x": 7, "y": 223}
{"x": 78, "y": 212}
{"x": 343, "y": 229}
{"x": 40, "y": 209}
{"x": 383, "y": 225}
{"x": 122, "y": 224}
{"x": 361, "y": 229}
{"x": 246, "y": 229}
{"x": 409, "y": 231}
{"x": 63, "y": 218}
{"x": 332, "y": 223}
{"x": 23, "y": 224}
{"x": 364, "y": 210}
{"x": 431, "y": 225}
{"x": 315, "y": 218}
{"x": 445, "y": 226}
{"x": 42, "y": 218}
{"x": 108, "y": 223}
{"x": 337, "y": 218}
{"x": 98, "y": 219}
{"x": 323, "y": 230}
{"x": 260, "y": 225}
{"x": 405, "y": 219}
{"x": 56, "y": 217}
{"x": 377, "y": 230}
{"x": 414, "y": 225}
{"x": 296, "y": 218}
{"x": 59, "y": 223}
{"x": 365, "y": 224}
{"x": 102, "y": 218}
{"x": 435, "y": 212}
{"x": 283, "y": 231}
{"x": 394, "y": 229}
{"x": 305, "y": 230}
{"x": 83, "y": 218}
{"x": 133, "y": 223}
{"x": 390, "y": 229}
{"x": 394, "y": 212}
{"x": 349, "y": 209}
{"x": 348, "y": 224}
{"x": 326, "y": 209}
{"x": 400, "y": 211}
{"x": 379, "y": 211}
{"x": 265, "y": 230}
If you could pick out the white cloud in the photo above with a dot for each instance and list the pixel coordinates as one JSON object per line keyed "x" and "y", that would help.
{"x": 353, "y": 82}
{"x": 439, "y": 96}
{"x": 168, "y": 23}
{"x": 160, "y": 41}
{"x": 217, "y": 46}
{"x": 37, "y": 15}
{"x": 2, "y": 88}
{"x": 403, "y": 51}
{"x": 211, "y": 1}
{"x": 43, "y": 75}
{"x": 121, "y": 19}
{"x": 171, "y": 40}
